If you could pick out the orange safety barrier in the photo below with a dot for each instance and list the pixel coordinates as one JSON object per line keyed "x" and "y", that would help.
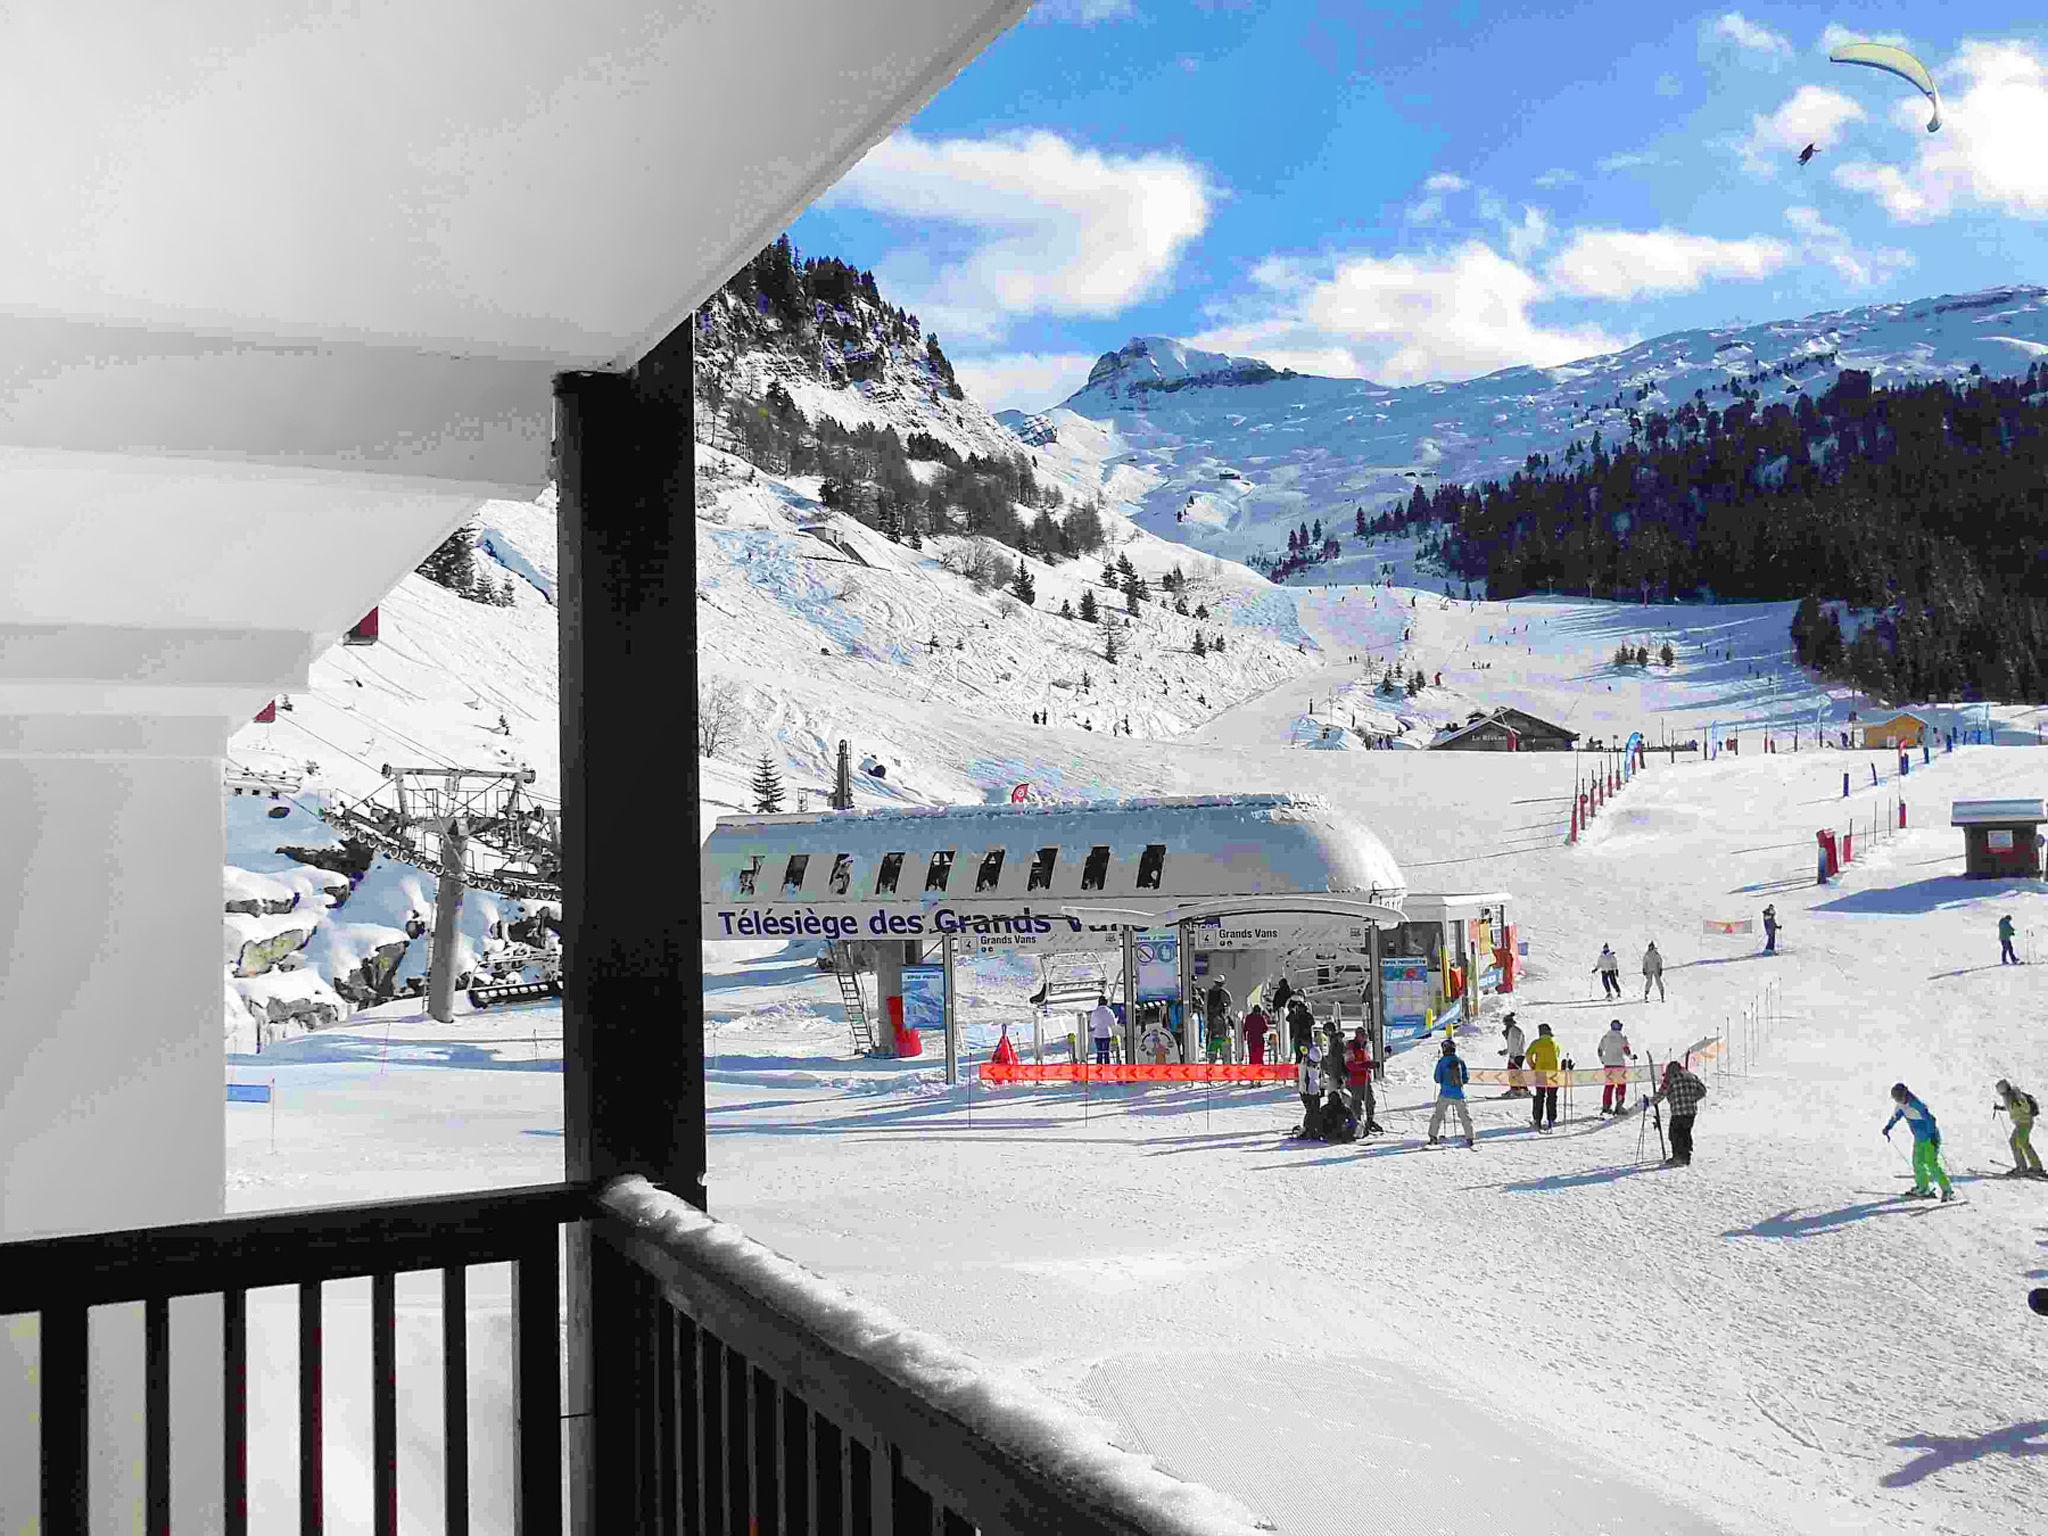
{"x": 1137, "y": 1072}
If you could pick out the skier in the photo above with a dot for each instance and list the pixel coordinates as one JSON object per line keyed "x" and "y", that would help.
{"x": 1157, "y": 1044}
{"x": 1684, "y": 1090}
{"x": 1301, "y": 1024}
{"x": 1450, "y": 1094}
{"x": 1308, "y": 1082}
{"x": 1926, "y": 1142}
{"x": 1543, "y": 1060}
{"x": 1653, "y": 972}
{"x": 1101, "y": 1026}
{"x": 1770, "y": 929}
{"x": 1608, "y": 968}
{"x": 1282, "y": 991}
{"x": 2024, "y": 1109}
{"x": 1513, "y": 1044}
{"x": 1218, "y": 1012}
{"x": 1615, "y": 1056}
{"x": 2006, "y": 956}
{"x": 1255, "y": 1026}
{"x": 1358, "y": 1081}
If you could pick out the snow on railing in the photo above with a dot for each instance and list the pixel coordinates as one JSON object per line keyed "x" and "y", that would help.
{"x": 1016, "y": 1418}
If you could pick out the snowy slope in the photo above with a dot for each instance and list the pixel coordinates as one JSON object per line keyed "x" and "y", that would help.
{"x": 1543, "y": 1334}
{"x": 1243, "y": 462}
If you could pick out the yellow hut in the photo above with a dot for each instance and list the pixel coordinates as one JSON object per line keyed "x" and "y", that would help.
{"x": 1904, "y": 729}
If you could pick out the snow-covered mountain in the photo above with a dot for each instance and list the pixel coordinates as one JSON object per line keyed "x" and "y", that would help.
{"x": 1227, "y": 454}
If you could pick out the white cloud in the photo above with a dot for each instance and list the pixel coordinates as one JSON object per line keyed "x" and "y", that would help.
{"x": 1048, "y": 227}
{"x": 1753, "y": 37}
{"x": 1988, "y": 153}
{"x": 1023, "y": 381}
{"x": 1853, "y": 261}
{"x": 1630, "y": 159}
{"x": 1834, "y": 34}
{"x": 1400, "y": 319}
{"x": 1556, "y": 176}
{"x": 1084, "y": 13}
{"x": 1621, "y": 263}
{"x": 1428, "y": 208}
{"x": 1529, "y": 236}
{"x": 1669, "y": 84}
{"x": 1812, "y": 114}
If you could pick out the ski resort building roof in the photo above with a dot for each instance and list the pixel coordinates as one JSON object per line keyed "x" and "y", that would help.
{"x": 1142, "y": 862}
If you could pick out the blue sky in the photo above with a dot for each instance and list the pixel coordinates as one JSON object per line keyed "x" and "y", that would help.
{"x": 1407, "y": 191}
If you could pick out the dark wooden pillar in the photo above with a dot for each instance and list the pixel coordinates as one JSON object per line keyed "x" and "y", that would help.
{"x": 632, "y": 962}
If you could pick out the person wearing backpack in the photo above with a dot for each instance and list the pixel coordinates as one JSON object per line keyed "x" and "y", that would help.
{"x": 1450, "y": 1093}
{"x": 2025, "y": 1109}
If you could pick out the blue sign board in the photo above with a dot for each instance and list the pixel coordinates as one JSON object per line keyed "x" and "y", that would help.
{"x": 248, "y": 1093}
{"x": 924, "y": 997}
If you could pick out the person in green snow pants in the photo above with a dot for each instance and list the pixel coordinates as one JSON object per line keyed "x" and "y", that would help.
{"x": 1926, "y": 1141}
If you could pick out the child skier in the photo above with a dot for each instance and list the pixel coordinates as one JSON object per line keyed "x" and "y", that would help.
{"x": 2024, "y": 1109}
{"x": 1926, "y": 1142}
{"x": 1450, "y": 1094}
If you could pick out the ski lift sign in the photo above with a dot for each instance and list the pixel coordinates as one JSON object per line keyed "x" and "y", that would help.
{"x": 1158, "y": 951}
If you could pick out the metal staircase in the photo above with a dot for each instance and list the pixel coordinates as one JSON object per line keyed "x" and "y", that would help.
{"x": 857, "y": 1023}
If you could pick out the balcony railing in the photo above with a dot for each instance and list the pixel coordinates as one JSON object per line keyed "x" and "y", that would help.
{"x": 729, "y": 1391}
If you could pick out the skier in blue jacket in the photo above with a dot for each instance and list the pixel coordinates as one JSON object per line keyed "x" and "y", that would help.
{"x": 1450, "y": 1093}
{"x": 1926, "y": 1142}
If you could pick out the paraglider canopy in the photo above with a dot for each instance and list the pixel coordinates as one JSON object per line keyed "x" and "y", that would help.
{"x": 1893, "y": 61}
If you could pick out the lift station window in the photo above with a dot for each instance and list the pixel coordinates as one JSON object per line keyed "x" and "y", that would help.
{"x": 749, "y": 873}
{"x": 793, "y": 876}
{"x": 1041, "y": 870}
{"x": 1096, "y": 870}
{"x": 941, "y": 872}
{"x": 842, "y": 873}
{"x": 990, "y": 872}
{"x": 1151, "y": 865}
{"x": 885, "y": 877}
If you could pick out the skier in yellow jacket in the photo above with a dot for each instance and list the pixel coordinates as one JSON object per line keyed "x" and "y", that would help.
{"x": 1543, "y": 1072}
{"x": 2023, "y": 1108}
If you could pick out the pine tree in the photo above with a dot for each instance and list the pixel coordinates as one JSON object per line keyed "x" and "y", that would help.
{"x": 453, "y": 563}
{"x": 1180, "y": 606}
{"x": 1110, "y": 649}
{"x": 1022, "y": 587}
{"x": 1109, "y": 576}
{"x": 1124, "y": 567}
{"x": 1665, "y": 655}
{"x": 1201, "y": 645}
{"x": 1089, "y": 612}
{"x": 767, "y": 787}
{"x": 1358, "y": 523}
{"x": 1201, "y": 610}
{"x": 1066, "y": 609}
{"x": 1216, "y": 644}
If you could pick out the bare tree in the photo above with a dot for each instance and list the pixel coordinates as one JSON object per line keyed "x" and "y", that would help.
{"x": 720, "y": 709}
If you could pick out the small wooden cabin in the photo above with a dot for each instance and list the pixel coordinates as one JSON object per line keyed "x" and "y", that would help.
{"x": 2001, "y": 838}
{"x": 1904, "y": 729}
{"x": 1506, "y": 730}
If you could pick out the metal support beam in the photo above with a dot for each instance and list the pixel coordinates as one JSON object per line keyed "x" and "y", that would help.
{"x": 1130, "y": 954}
{"x": 632, "y": 962}
{"x": 447, "y": 920}
{"x": 952, "y": 1017}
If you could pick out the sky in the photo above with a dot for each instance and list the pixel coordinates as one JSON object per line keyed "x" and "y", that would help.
{"x": 1435, "y": 189}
